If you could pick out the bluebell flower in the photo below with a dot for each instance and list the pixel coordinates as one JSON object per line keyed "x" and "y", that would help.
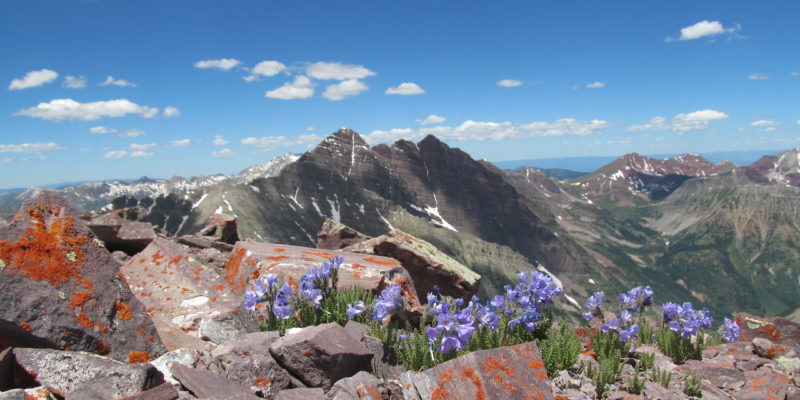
{"x": 389, "y": 300}
{"x": 629, "y": 333}
{"x": 612, "y": 325}
{"x": 594, "y": 304}
{"x": 498, "y": 302}
{"x": 282, "y": 307}
{"x": 356, "y": 308}
{"x": 685, "y": 320}
{"x": 487, "y": 317}
{"x": 670, "y": 311}
{"x": 730, "y": 330}
{"x": 637, "y": 298}
{"x": 625, "y": 316}
{"x": 254, "y": 295}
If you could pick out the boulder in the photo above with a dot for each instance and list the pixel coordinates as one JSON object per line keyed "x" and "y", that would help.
{"x": 251, "y": 343}
{"x": 249, "y": 260}
{"x": 164, "y": 391}
{"x": 37, "y": 393}
{"x": 384, "y": 359}
{"x": 362, "y": 385}
{"x": 512, "y": 372}
{"x": 221, "y": 228}
{"x": 60, "y": 285}
{"x": 118, "y": 233}
{"x": 427, "y": 265}
{"x": 63, "y": 372}
{"x": 780, "y": 331}
{"x": 301, "y": 394}
{"x": 259, "y": 372}
{"x": 321, "y": 355}
{"x": 335, "y": 235}
{"x": 190, "y": 304}
{"x": 206, "y": 384}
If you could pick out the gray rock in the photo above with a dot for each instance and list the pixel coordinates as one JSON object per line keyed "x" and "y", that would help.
{"x": 321, "y": 355}
{"x": 63, "y": 372}
{"x": 335, "y": 235}
{"x": 259, "y": 372}
{"x": 301, "y": 394}
{"x": 251, "y": 343}
{"x": 362, "y": 385}
{"x": 165, "y": 362}
{"x": 204, "y": 384}
{"x": 164, "y": 391}
{"x": 221, "y": 228}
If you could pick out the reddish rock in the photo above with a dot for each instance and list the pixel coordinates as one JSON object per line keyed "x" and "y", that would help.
{"x": 190, "y": 303}
{"x": 427, "y": 265}
{"x": 249, "y": 260}
{"x": 301, "y": 394}
{"x": 781, "y": 332}
{"x": 514, "y": 372}
{"x": 206, "y": 384}
{"x": 61, "y": 285}
{"x": 63, "y": 372}
{"x": 121, "y": 234}
{"x": 222, "y": 228}
{"x": 321, "y": 355}
{"x": 164, "y": 391}
{"x": 362, "y": 385}
{"x": 335, "y": 235}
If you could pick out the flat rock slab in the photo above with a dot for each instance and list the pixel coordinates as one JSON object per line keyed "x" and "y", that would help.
{"x": 780, "y": 331}
{"x": 164, "y": 391}
{"x": 321, "y": 355}
{"x": 335, "y": 235}
{"x": 249, "y": 260}
{"x": 362, "y": 385}
{"x": 65, "y": 371}
{"x": 301, "y": 394}
{"x": 206, "y": 384}
{"x": 427, "y": 265}
{"x": 61, "y": 285}
{"x": 513, "y": 372}
{"x": 190, "y": 303}
{"x": 119, "y": 233}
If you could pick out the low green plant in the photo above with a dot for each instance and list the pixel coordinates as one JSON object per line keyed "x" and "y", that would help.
{"x": 605, "y": 373}
{"x": 661, "y": 376}
{"x": 560, "y": 349}
{"x": 646, "y": 335}
{"x": 647, "y": 360}
{"x": 636, "y": 383}
{"x": 691, "y": 386}
{"x": 678, "y": 348}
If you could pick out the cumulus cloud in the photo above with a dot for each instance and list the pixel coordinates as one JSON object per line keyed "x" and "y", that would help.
{"x": 124, "y": 153}
{"x": 705, "y": 28}
{"x": 757, "y": 77}
{"x": 431, "y": 119}
{"x": 142, "y": 146}
{"x": 102, "y": 130}
{"x": 110, "y": 81}
{"x": 219, "y": 140}
{"x": 344, "y": 89}
{"x": 763, "y": 122}
{"x": 595, "y": 85}
{"x": 265, "y": 68}
{"x": 180, "y": 143}
{"x": 33, "y": 79}
{"x": 491, "y": 131}
{"x": 74, "y": 82}
{"x": 223, "y": 153}
{"x": 405, "y": 89}
{"x": 61, "y": 109}
{"x": 338, "y": 71}
{"x": 225, "y": 64}
{"x": 30, "y": 148}
{"x": 682, "y": 122}
{"x": 301, "y": 88}
{"x": 269, "y": 143}
{"x": 170, "y": 112}
{"x": 509, "y": 83}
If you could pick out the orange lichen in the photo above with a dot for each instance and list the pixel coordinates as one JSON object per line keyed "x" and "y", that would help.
{"x": 139, "y": 357}
{"x": 79, "y": 299}
{"x": 278, "y": 250}
{"x": 261, "y": 381}
{"x": 123, "y": 310}
{"x": 376, "y": 394}
{"x": 84, "y": 320}
{"x": 773, "y": 332}
{"x": 26, "y": 327}
{"x": 468, "y": 374}
{"x": 440, "y": 393}
{"x": 101, "y": 348}
{"x": 277, "y": 258}
{"x": 320, "y": 254}
{"x": 140, "y": 332}
{"x": 51, "y": 254}
{"x": 232, "y": 266}
{"x": 386, "y": 262}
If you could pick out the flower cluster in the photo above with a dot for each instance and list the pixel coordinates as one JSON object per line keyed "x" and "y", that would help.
{"x": 287, "y": 299}
{"x": 634, "y": 301}
{"x": 523, "y": 303}
{"x": 390, "y": 302}
{"x": 685, "y": 320}
{"x": 637, "y": 299}
{"x": 730, "y": 330}
{"x": 454, "y": 328}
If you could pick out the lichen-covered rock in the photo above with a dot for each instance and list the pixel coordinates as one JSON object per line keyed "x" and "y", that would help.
{"x": 321, "y": 355}
{"x": 61, "y": 285}
{"x": 164, "y": 391}
{"x": 427, "y": 265}
{"x": 63, "y": 372}
{"x": 513, "y": 372}
{"x": 301, "y": 394}
{"x": 362, "y": 385}
{"x": 206, "y": 384}
{"x": 221, "y": 228}
{"x": 190, "y": 304}
{"x": 118, "y": 233}
{"x": 335, "y": 235}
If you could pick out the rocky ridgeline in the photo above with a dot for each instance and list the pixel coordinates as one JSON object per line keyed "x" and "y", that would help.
{"x": 138, "y": 315}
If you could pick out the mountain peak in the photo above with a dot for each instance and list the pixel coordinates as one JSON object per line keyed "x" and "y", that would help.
{"x": 346, "y": 136}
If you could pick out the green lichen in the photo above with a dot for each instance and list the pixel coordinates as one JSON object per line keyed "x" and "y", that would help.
{"x": 62, "y": 295}
{"x": 99, "y": 243}
{"x": 72, "y": 256}
{"x": 2, "y": 264}
{"x": 789, "y": 364}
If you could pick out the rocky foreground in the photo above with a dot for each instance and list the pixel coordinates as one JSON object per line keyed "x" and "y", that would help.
{"x": 138, "y": 315}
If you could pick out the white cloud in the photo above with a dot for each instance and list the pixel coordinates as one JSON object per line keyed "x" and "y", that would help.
{"x": 6, "y": 160}
{"x": 143, "y": 146}
{"x": 225, "y": 64}
{"x": 269, "y": 143}
{"x": 110, "y": 81}
{"x": 595, "y": 85}
{"x": 301, "y": 88}
{"x": 770, "y": 129}
{"x": 798, "y": 122}
{"x": 116, "y": 154}
{"x": 795, "y": 73}
{"x": 338, "y": 71}
{"x": 61, "y": 109}
{"x": 170, "y": 112}
{"x": 265, "y": 68}
{"x": 102, "y": 130}
{"x": 703, "y": 29}
{"x": 654, "y": 123}
{"x": 180, "y": 143}
{"x": 139, "y": 153}
{"x": 431, "y": 119}
{"x": 30, "y": 148}
{"x": 509, "y": 83}
{"x": 757, "y": 77}
{"x": 682, "y": 122}
{"x": 223, "y": 153}
{"x": 763, "y": 122}
{"x": 74, "y": 82}
{"x": 491, "y": 131}
{"x": 405, "y": 89}
{"x": 219, "y": 140}
{"x": 344, "y": 89}
{"x": 33, "y": 79}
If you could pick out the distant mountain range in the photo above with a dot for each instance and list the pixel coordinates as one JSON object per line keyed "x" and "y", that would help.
{"x": 720, "y": 234}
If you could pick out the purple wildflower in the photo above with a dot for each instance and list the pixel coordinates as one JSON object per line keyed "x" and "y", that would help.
{"x": 593, "y": 304}
{"x": 356, "y": 308}
{"x": 730, "y": 330}
{"x": 388, "y": 301}
{"x": 629, "y": 333}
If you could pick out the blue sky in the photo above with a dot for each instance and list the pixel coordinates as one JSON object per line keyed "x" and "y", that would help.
{"x": 120, "y": 89}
